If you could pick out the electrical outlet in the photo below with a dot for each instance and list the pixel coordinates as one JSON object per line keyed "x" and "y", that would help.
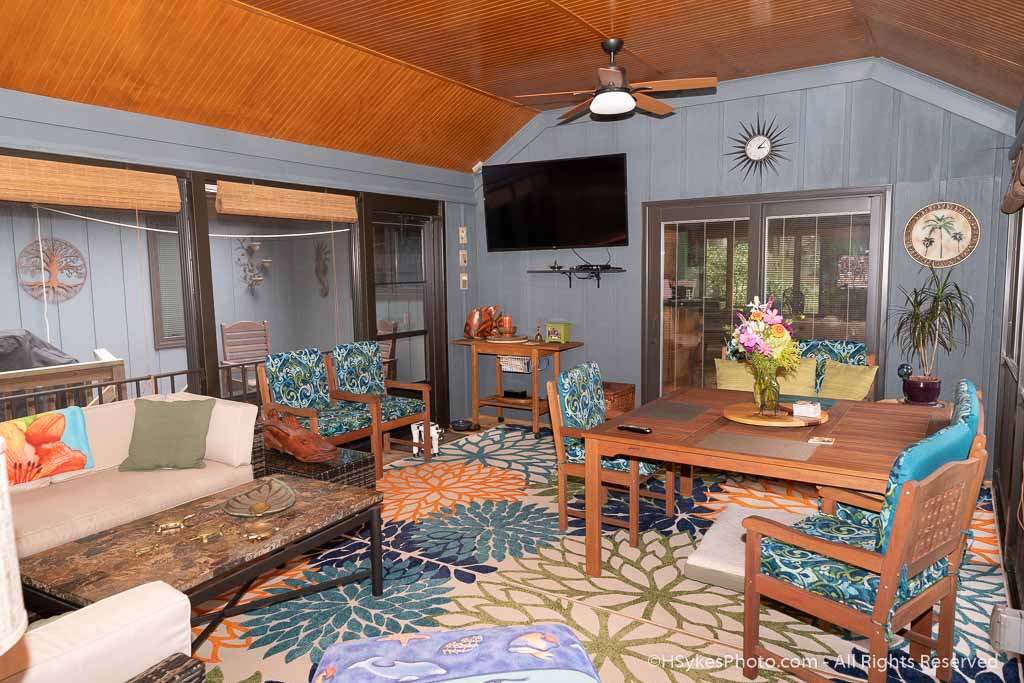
{"x": 1006, "y": 629}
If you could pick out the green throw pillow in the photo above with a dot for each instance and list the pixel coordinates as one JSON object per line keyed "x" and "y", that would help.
{"x": 847, "y": 382}
{"x": 168, "y": 435}
{"x": 737, "y": 376}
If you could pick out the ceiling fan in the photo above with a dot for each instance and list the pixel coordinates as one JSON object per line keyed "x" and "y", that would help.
{"x": 615, "y": 96}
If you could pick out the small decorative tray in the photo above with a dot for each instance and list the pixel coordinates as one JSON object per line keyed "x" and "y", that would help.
{"x": 268, "y": 497}
{"x": 498, "y": 339}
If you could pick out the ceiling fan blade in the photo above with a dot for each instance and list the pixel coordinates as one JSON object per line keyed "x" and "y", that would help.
{"x": 611, "y": 77}
{"x": 578, "y": 110}
{"x": 651, "y": 105}
{"x": 677, "y": 84}
{"x": 553, "y": 95}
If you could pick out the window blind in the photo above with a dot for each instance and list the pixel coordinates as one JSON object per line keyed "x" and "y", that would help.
{"x": 55, "y": 182}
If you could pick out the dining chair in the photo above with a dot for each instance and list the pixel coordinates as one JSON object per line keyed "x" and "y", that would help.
{"x": 245, "y": 342}
{"x": 875, "y": 566}
{"x": 576, "y": 404}
{"x": 387, "y": 339}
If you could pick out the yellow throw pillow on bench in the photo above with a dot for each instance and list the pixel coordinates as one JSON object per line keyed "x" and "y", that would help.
{"x": 847, "y": 382}
{"x": 738, "y": 376}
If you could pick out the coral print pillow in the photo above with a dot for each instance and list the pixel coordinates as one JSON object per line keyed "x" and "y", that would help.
{"x": 43, "y": 445}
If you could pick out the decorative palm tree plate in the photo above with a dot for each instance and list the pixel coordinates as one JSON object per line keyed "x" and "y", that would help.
{"x": 268, "y": 497}
{"x": 942, "y": 234}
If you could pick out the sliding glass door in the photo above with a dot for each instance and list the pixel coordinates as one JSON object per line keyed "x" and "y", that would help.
{"x": 820, "y": 256}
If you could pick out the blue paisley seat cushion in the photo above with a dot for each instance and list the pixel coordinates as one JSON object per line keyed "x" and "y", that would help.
{"x": 359, "y": 368}
{"x": 835, "y": 580}
{"x": 861, "y": 517}
{"x": 298, "y": 379}
{"x": 574, "y": 453}
{"x": 839, "y": 530}
{"x": 339, "y": 419}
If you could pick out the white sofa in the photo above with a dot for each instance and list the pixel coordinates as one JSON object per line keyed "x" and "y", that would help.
{"x": 109, "y": 641}
{"x": 73, "y": 505}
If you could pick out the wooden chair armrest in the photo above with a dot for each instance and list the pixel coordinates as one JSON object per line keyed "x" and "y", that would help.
{"x": 288, "y": 410}
{"x": 570, "y": 433}
{"x": 408, "y": 386}
{"x": 831, "y": 495}
{"x": 339, "y": 395}
{"x": 858, "y": 557}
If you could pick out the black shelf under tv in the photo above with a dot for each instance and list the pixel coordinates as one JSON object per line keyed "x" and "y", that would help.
{"x": 579, "y": 273}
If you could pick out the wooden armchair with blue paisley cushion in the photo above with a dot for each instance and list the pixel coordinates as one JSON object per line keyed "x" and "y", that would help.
{"x": 294, "y": 383}
{"x": 875, "y": 565}
{"x": 355, "y": 373}
{"x": 576, "y": 405}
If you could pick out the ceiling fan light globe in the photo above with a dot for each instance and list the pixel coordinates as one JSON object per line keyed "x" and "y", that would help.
{"x": 612, "y": 103}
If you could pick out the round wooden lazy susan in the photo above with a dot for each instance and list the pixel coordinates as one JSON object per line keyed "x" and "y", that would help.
{"x": 746, "y": 413}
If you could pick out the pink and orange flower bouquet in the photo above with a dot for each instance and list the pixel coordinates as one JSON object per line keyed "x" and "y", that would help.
{"x": 766, "y": 340}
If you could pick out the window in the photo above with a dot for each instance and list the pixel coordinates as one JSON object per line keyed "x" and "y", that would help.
{"x": 1013, "y": 315}
{"x": 165, "y": 284}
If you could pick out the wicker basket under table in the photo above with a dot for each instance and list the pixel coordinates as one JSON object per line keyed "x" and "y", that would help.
{"x": 353, "y": 468}
{"x": 619, "y": 398}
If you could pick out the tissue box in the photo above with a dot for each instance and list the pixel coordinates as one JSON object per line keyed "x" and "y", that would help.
{"x": 558, "y": 331}
{"x": 807, "y": 409}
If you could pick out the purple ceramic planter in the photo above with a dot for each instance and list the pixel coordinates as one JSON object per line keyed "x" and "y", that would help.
{"x": 922, "y": 390}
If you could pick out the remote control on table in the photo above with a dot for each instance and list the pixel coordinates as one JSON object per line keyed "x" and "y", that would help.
{"x": 635, "y": 428}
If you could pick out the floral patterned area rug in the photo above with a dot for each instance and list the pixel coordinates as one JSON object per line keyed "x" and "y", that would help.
{"x": 472, "y": 540}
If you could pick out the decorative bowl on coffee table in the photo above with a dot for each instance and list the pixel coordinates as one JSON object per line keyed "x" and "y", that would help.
{"x": 268, "y": 497}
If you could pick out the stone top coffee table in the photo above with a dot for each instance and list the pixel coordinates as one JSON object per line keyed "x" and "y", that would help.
{"x": 95, "y": 567}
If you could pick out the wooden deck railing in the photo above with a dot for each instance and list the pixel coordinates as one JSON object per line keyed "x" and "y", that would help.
{"x": 91, "y": 393}
{"x": 99, "y": 383}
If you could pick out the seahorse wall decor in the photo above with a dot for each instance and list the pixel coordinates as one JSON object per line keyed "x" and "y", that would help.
{"x": 323, "y": 252}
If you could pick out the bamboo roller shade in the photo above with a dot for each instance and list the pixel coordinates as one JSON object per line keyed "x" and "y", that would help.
{"x": 279, "y": 202}
{"x": 55, "y": 182}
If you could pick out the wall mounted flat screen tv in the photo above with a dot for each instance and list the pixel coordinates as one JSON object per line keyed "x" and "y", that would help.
{"x": 556, "y": 204}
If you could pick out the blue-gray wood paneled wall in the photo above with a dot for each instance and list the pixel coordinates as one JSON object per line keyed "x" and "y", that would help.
{"x": 34, "y": 123}
{"x": 853, "y": 124}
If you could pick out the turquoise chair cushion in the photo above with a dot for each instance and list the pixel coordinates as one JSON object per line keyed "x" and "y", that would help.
{"x": 359, "y": 368}
{"x": 574, "y": 453}
{"x": 821, "y": 350}
{"x": 339, "y": 419}
{"x": 966, "y": 407}
{"x": 298, "y": 379}
{"x": 581, "y": 398}
{"x": 835, "y": 580}
{"x": 917, "y": 462}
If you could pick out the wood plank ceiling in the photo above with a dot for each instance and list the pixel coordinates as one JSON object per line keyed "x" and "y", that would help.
{"x": 432, "y": 82}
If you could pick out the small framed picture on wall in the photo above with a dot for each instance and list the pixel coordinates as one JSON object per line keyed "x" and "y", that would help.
{"x": 463, "y": 258}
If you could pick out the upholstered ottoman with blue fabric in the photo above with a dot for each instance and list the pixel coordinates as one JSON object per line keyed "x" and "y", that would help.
{"x": 545, "y": 653}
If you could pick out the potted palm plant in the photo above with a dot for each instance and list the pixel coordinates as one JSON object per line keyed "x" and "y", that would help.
{"x": 937, "y": 315}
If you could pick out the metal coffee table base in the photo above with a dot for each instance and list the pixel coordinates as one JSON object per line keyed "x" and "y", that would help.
{"x": 245, "y": 577}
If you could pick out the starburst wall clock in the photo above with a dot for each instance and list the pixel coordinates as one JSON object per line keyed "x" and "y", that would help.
{"x": 758, "y": 147}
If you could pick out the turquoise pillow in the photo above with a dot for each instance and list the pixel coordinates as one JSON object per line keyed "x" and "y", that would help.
{"x": 967, "y": 408}
{"x": 917, "y": 462}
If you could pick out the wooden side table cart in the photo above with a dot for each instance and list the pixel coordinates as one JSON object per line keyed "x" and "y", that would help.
{"x": 535, "y": 402}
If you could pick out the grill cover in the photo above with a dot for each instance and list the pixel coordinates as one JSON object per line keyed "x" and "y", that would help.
{"x": 22, "y": 350}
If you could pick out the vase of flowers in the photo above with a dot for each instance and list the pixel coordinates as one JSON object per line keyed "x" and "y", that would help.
{"x": 766, "y": 340}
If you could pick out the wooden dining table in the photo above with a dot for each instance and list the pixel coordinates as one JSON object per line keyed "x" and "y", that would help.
{"x": 688, "y": 428}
